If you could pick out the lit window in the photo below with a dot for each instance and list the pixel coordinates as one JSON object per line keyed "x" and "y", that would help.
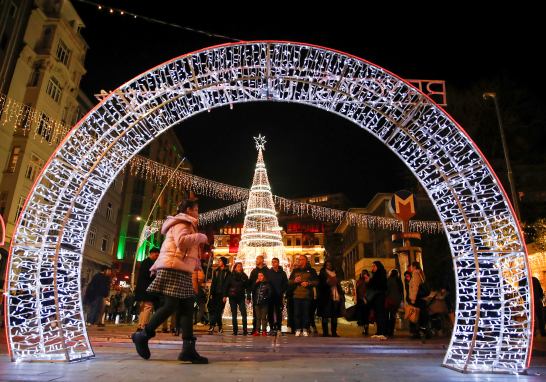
{"x": 54, "y": 89}
{"x": 34, "y": 167}
{"x": 63, "y": 52}
{"x": 44, "y": 127}
{"x": 104, "y": 245}
{"x": 298, "y": 242}
{"x": 14, "y": 158}
{"x": 92, "y": 235}
{"x": 288, "y": 242}
{"x": 20, "y": 206}
{"x": 109, "y": 211}
{"x": 317, "y": 260}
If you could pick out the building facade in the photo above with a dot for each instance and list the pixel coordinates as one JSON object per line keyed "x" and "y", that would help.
{"x": 364, "y": 243}
{"x": 42, "y": 62}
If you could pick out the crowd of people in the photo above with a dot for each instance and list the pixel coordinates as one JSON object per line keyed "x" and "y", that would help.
{"x": 171, "y": 284}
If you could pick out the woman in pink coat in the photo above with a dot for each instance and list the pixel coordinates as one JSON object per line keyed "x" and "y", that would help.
{"x": 177, "y": 261}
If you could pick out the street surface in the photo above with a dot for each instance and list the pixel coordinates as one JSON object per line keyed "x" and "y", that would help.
{"x": 352, "y": 357}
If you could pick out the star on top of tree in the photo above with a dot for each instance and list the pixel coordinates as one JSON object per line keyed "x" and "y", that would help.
{"x": 260, "y": 142}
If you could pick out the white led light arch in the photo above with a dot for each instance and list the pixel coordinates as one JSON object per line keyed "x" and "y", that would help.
{"x": 493, "y": 331}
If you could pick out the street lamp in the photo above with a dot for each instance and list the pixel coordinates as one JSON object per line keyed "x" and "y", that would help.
{"x": 506, "y": 156}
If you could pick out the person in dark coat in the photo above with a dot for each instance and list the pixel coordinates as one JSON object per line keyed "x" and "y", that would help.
{"x": 97, "y": 291}
{"x": 395, "y": 295}
{"x": 302, "y": 281}
{"x": 147, "y": 300}
{"x": 363, "y": 309}
{"x": 378, "y": 283}
{"x": 129, "y": 305}
{"x": 220, "y": 277}
{"x": 238, "y": 292}
{"x": 331, "y": 298}
{"x": 260, "y": 267}
{"x": 538, "y": 294}
{"x": 450, "y": 291}
{"x": 279, "y": 281}
{"x": 262, "y": 291}
{"x": 407, "y": 279}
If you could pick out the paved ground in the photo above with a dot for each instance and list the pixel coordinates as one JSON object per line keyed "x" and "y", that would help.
{"x": 352, "y": 357}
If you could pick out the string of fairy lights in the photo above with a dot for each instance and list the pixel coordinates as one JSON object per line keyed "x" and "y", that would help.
{"x": 121, "y": 12}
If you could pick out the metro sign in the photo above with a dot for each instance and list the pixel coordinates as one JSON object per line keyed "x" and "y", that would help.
{"x": 403, "y": 205}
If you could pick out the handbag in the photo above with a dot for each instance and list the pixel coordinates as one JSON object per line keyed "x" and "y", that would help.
{"x": 232, "y": 291}
{"x": 370, "y": 295}
{"x": 412, "y": 314}
{"x": 424, "y": 289}
{"x": 351, "y": 313}
{"x": 390, "y": 304}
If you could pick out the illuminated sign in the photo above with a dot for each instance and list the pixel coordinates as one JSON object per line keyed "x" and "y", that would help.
{"x": 403, "y": 205}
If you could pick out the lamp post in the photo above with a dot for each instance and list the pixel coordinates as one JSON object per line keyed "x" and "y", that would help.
{"x": 506, "y": 156}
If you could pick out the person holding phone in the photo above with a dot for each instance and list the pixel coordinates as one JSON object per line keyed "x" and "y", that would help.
{"x": 302, "y": 281}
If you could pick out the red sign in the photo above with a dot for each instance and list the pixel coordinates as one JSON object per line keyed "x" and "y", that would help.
{"x": 234, "y": 243}
{"x": 406, "y": 235}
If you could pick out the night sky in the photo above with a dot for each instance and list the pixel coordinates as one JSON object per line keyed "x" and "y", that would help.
{"x": 309, "y": 150}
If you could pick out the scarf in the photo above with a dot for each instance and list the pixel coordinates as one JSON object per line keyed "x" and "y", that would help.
{"x": 335, "y": 294}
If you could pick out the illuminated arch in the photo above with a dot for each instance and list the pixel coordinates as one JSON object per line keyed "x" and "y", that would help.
{"x": 493, "y": 330}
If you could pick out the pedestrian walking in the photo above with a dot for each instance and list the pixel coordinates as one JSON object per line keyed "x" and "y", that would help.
{"x": 260, "y": 267}
{"x": 238, "y": 292}
{"x": 96, "y": 293}
{"x": 279, "y": 282}
{"x": 331, "y": 298}
{"x": 377, "y": 285}
{"x": 217, "y": 291}
{"x": 395, "y": 295}
{"x": 417, "y": 300}
{"x": 201, "y": 298}
{"x": 147, "y": 300}
{"x": 261, "y": 293}
{"x": 174, "y": 268}
{"x": 302, "y": 280}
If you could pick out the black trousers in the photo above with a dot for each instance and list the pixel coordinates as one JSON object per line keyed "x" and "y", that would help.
{"x": 275, "y": 313}
{"x": 380, "y": 316}
{"x": 184, "y": 308}
{"x": 219, "y": 305}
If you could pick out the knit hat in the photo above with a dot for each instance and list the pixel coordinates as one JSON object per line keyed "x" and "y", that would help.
{"x": 224, "y": 260}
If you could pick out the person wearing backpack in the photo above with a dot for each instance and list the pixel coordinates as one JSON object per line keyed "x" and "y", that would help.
{"x": 417, "y": 293}
{"x": 238, "y": 292}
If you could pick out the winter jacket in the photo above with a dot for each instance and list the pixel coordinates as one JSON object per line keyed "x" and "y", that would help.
{"x": 325, "y": 301}
{"x": 219, "y": 280}
{"x": 144, "y": 280}
{"x": 361, "y": 288}
{"x": 98, "y": 287}
{"x": 113, "y": 308}
{"x": 278, "y": 280}
{"x": 241, "y": 284}
{"x": 261, "y": 293}
{"x": 129, "y": 300}
{"x": 394, "y": 292}
{"x": 180, "y": 250}
{"x": 254, "y": 274}
{"x": 417, "y": 278}
{"x": 307, "y": 274}
{"x": 378, "y": 281}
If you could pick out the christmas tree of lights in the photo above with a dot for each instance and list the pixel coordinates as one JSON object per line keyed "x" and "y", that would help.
{"x": 261, "y": 233}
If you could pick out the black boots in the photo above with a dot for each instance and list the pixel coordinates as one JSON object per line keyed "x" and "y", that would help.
{"x": 325, "y": 330}
{"x": 189, "y": 354}
{"x": 141, "y": 343}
